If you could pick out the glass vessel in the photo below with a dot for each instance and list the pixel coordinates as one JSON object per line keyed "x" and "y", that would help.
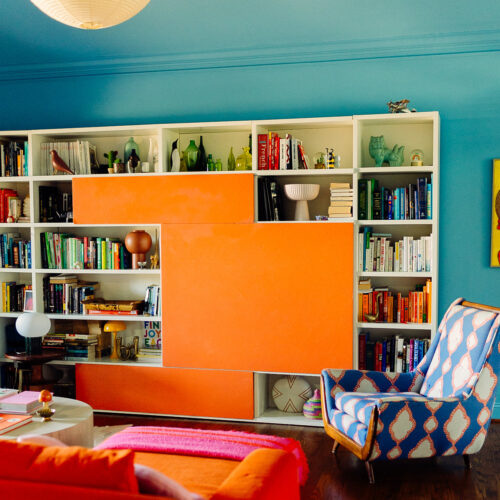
{"x": 202, "y": 157}
{"x": 218, "y": 165}
{"x": 231, "y": 160}
{"x": 244, "y": 160}
{"x": 129, "y": 146}
{"x": 191, "y": 156}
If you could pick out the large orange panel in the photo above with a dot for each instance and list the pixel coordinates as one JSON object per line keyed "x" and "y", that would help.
{"x": 269, "y": 297}
{"x": 167, "y": 391}
{"x": 166, "y": 198}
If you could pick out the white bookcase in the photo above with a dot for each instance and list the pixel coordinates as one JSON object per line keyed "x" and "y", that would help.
{"x": 349, "y": 136}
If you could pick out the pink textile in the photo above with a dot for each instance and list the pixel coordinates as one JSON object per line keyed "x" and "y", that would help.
{"x": 231, "y": 445}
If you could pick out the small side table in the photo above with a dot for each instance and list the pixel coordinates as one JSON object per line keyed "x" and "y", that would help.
{"x": 72, "y": 423}
{"x": 24, "y": 365}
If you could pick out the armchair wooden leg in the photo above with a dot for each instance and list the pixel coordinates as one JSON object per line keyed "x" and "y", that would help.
{"x": 335, "y": 446}
{"x": 369, "y": 470}
{"x": 468, "y": 465}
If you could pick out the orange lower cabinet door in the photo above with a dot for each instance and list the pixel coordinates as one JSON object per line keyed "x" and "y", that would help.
{"x": 169, "y": 391}
{"x": 162, "y": 199}
{"x": 264, "y": 297}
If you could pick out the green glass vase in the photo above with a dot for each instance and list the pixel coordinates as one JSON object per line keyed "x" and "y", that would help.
{"x": 191, "y": 156}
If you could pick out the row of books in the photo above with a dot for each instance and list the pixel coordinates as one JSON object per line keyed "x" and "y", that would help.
{"x": 14, "y": 251}
{"x": 341, "y": 196}
{"x": 14, "y": 296}
{"x": 55, "y": 205}
{"x": 152, "y": 301}
{"x": 391, "y": 307}
{"x": 79, "y": 156}
{"x": 14, "y": 158}
{"x": 270, "y": 198}
{"x": 401, "y": 203}
{"x": 149, "y": 355}
{"x": 10, "y": 206}
{"x": 376, "y": 252}
{"x": 280, "y": 153}
{"x": 64, "y": 251}
{"x": 64, "y": 294}
{"x": 391, "y": 354}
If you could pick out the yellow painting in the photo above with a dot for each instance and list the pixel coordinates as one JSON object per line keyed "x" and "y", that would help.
{"x": 495, "y": 216}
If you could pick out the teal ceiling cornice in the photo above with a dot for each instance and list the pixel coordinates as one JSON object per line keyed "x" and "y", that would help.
{"x": 356, "y": 49}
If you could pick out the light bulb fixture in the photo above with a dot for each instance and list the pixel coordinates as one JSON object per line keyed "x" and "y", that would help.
{"x": 90, "y": 14}
{"x": 33, "y": 326}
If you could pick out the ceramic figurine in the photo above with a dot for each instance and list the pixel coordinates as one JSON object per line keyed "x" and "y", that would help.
{"x": 382, "y": 154}
{"x": 59, "y": 164}
{"x": 130, "y": 145}
{"x": 133, "y": 162}
{"x": 175, "y": 158}
{"x": 400, "y": 106}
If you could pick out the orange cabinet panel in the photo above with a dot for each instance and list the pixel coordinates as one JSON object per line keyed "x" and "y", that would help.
{"x": 204, "y": 393}
{"x": 264, "y": 297}
{"x": 164, "y": 199}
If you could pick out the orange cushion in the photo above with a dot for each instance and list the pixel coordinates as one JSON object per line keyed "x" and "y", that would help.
{"x": 105, "y": 469}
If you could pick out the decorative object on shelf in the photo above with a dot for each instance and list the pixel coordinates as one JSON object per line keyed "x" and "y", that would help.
{"x": 26, "y": 210}
{"x": 400, "y": 106}
{"x": 102, "y": 306}
{"x": 129, "y": 146}
{"x": 118, "y": 166}
{"x": 191, "y": 154}
{"x": 90, "y": 14}
{"x": 301, "y": 193}
{"x": 45, "y": 411}
{"x": 13, "y": 209}
{"x": 202, "y": 157}
{"x": 145, "y": 166}
{"x": 330, "y": 155}
{"x": 231, "y": 160}
{"x": 129, "y": 352}
{"x": 417, "y": 158}
{"x": 218, "y": 165}
{"x": 111, "y": 156}
{"x": 382, "y": 154}
{"x": 59, "y": 164}
{"x": 155, "y": 258}
{"x": 210, "y": 163}
{"x": 319, "y": 160}
{"x": 290, "y": 393}
{"x": 33, "y": 326}
{"x": 138, "y": 243}
{"x": 133, "y": 162}
{"x": 495, "y": 216}
{"x": 151, "y": 155}
{"x": 244, "y": 160}
{"x": 114, "y": 327}
{"x": 175, "y": 158}
{"x": 371, "y": 318}
{"x": 312, "y": 407}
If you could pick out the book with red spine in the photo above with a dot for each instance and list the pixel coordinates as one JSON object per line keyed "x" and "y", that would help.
{"x": 302, "y": 155}
{"x": 262, "y": 152}
{"x": 118, "y": 313}
{"x": 276, "y": 152}
{"x": 362, "y": 351}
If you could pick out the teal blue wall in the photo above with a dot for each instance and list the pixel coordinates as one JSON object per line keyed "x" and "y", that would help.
{"x": 459, "y": 76}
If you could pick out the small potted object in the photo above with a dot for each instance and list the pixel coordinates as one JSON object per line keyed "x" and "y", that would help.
{"x": 118, "y": 166}
{"x": 111, "y": 156}
{"x": 45, "y": 411}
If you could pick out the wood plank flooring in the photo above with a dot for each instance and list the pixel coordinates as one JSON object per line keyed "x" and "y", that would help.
{"x": 343, "y": 476}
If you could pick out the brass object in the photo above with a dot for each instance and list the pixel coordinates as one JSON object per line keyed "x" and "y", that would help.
{"x": 155, "y": 258}
{"x": 46, "y": 412}
{"x": 129, "y": 352}
{"x": 373, "y": 317}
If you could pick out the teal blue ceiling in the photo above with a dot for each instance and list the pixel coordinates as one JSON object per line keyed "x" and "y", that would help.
{"x": 186, "y": 34}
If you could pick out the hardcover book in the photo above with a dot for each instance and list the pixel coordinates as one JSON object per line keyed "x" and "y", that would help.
{"x": 10, "y": 422}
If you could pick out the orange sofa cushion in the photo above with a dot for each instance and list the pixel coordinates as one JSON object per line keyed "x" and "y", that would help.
{"x": 73, "y": 465}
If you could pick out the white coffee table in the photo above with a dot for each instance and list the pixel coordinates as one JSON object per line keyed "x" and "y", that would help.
{"x": 72, "y": 423}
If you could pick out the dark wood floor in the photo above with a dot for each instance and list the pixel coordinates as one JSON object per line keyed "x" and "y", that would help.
{"x": 343, "y": 477}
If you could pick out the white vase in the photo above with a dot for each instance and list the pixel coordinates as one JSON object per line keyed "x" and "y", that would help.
{"x": 301, "y": 193}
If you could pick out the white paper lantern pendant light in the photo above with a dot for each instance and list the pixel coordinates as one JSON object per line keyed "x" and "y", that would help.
{"x": 90, "y": 14}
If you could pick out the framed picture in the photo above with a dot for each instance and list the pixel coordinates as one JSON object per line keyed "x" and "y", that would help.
{"x": 28, "y": 300}
{"x": 495, "y": 216}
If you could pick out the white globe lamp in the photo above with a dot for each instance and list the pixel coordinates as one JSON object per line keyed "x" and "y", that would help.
{"x": 32, "y": 325}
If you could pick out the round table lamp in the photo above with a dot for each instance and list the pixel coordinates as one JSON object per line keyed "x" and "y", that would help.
{"x": 138, "y": 243}
{"x": 114, "y": 327}
{"x": 33, "y": 325}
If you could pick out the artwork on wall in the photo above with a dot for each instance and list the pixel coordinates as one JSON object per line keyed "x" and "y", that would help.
{"x": 495, "y": 216}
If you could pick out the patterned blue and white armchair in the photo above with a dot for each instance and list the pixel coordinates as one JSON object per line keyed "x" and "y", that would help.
{"x": 442, "y": 408}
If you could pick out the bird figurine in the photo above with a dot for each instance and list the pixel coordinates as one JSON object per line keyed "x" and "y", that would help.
{"x": 59, "y": 164}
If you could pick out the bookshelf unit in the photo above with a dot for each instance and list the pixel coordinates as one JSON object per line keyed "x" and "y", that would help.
{"x": 348, "y": 136}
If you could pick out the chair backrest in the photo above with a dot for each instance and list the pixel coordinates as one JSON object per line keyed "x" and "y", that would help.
{"x": 455, "y": 358}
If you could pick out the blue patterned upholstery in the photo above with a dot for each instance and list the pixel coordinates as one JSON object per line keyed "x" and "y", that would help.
{"x": 442, "y": 408}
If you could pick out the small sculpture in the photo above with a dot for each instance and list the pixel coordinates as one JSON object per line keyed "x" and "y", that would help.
{"x": 155, "y": 258}
{"x": 400, "y": 106}
{"x": 138, "y": 243}
{"x": 382, "y": 154}
{"x": 111, "y": 157}
{"x": 312, "y": 407}
{"x": 45, "y": 411}
{"x": 59, "y": 164}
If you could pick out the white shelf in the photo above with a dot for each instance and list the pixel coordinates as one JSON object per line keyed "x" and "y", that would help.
{"x": 132, "y": 272}
{"x": 15, "y": 178}
{"x": 399, "y": 222}
{"x": 274, "y": 416}
{"x": 396, "y": 170}
{"x": 15, "y": 270}
{"x": 105, "y": 317}
{"x": 312, "y": 172}
{"x": 396, "y": 326}
{"x": 107, "y": 361}
{"x": 12, "y": 226}
{"x": 378, "y": 274}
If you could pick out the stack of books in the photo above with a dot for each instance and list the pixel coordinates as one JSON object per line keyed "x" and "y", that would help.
{"x": 80, "y": 347}
{"x": 24, "y": 402}
{"x": 341, "y": 195}
{"x": 10, "y": 422}
{"x": 149, "y": 355}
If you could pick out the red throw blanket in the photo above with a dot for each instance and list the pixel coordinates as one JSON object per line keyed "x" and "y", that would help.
{"x": 231, "y": 445}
